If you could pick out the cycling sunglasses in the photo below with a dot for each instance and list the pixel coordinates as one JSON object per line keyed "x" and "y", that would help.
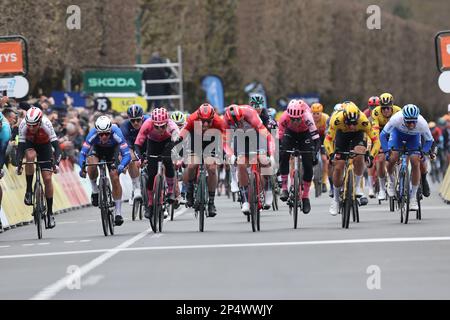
{"x": 163, "y": 126}
{"x": 413, "y": 121}
{"x": 136, "y": 120}
{"x": 296, "y": 119}
{"x": 104, "y": 134}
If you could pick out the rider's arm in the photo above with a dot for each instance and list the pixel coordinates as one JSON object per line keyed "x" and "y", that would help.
{"x": 86, "y": 147}
{"x": 21, "y": 145}
{"x": 330, "y": 136}
{"x": 373, "y": 136}
{"x": 123, "y": 146}
{"x": 126, "y": 132}
{"x": 387, "y": 130}
{"x": 282, "y": 125}
{"x": 375, "y": 121}
{"x": 426, "y": 134}
{"x": 141, "y": 138}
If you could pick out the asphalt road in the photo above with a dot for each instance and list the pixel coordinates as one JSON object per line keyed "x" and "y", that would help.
{"x": 379, "y": 258}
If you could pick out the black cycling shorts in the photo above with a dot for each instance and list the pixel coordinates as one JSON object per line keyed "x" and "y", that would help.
{"x": 108, "y": 154}
{"x": 44, "y": 153}
{"x": 347, "y": 141}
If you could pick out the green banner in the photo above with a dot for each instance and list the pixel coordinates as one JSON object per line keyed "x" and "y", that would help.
{"x": 112, "y": 81}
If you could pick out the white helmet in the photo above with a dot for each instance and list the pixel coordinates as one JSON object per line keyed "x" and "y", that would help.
{"x": 338, "y": 107}
{"x": 33, "y": 116}
{"x": 103, "y": 124}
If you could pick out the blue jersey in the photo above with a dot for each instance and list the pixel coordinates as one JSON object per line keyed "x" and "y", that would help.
{"x": 129, "y": 132}
{"x": 116, "y": 138}
{"x": 5, "y": 135}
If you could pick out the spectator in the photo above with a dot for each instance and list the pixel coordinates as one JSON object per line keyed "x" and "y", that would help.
{"x": 159, "y": 89}
{"x": 71, "y": 142}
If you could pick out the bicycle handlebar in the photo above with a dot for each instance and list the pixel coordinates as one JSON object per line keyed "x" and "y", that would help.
{"x": 37, "y": 162}
{"x": 99, "y": 163}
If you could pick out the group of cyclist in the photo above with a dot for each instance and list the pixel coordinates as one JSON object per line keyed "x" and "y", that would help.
{"x": 371, "y": 134}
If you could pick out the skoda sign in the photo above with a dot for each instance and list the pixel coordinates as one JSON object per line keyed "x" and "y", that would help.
{"x": 112, "y": 81}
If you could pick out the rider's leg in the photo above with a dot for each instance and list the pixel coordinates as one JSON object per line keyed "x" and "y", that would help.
{"x": 134, "y": 174}
{"x": 423, "y": 177}
{"x": 92, "y": 172}
{"x": 189, "y": 177}
{"x": 116, "y": 191}
{"x": 359, "y": 166}
{"x": 211, "y": 167}
{"x": 325, "y": 169}
{"x": 30, "y": 155}
{"x": 243, "y": 177}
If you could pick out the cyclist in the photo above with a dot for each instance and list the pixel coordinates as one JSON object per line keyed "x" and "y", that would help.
{"x": 130, "y": 129}
{"x": 321, "y": 119}
{"x": 5, "y": 136}
{"x": 337, "y": 107}
{"x": 272, "y": 113}
{"x": 179, "y": 118}
{"x": 198, "y": 123}
{"x": 298, "y": 131}
{"x": 245, "y": 118}
{"x": 347, "y": 132}
{"x": 36, "y": 139}
{"x": 408, "y": 126}
{"x": 157, "y": 137}
{"x": 258, "y": 103}
{"x": 371, "y": 104}
{"x": 101, "y": 144}
{"x": 380, "y": 117}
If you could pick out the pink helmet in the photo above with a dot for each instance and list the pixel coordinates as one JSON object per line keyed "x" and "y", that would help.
{"x": 296, "y": 108}
{"x": 160, "y": 116}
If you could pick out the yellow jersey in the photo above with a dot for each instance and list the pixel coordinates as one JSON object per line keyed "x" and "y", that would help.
{"x": 337, "y": 124}
{"x": 378, "y": 120}
{"x": 321, "y": 125}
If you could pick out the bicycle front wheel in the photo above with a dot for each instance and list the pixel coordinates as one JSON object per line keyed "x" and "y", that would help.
{"x": 102, "y": 202}
{"x": 348, "y": 200}
{"x": 296, "y": 197}
{"x": 253, "y": 200}
{"x": 38, "y": 208}
{"x": 202, "y": 190}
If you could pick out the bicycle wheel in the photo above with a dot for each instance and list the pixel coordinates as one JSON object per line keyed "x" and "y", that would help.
{"x": 135, "y": 210}
{"x": 154, "y": 217}
{"x": 103, "y": 207}
{"x": 110, "y": 213}
{"x": 140, "y": 209}
{"x": 37, "y": 210}
{"x": 356, "y": 211}
{"x": 348, "y": 200}
{"x": 172, "y": 211}
{"x": 295, "y": 195}
{"x": 253, "y": 200}
{"x": 406, "y": 192}
{"x": 419, "y": 199}
{"x": 318, "y": 180}
{"x": 162, "y": 203}
{"x": 201, "y": 198}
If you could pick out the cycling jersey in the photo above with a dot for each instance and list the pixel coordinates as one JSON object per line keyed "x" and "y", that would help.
{"x": 251, "y": 120}
{"x": 44, "y": 134}
{"x": 396, "y": 124}
{"x": 217, "y": 123}
{"x": 148, "y": 131}
{"x": 115, "y": 139}
{"x": 321, "y": 125}
{"x": 129, "y": 132}
{"x": 337, "y": 124}
{"x": 379, "y": 120}
{"x": 367, "y": 112}
{"x": 267, "y": 120}
{"x": 5, "y": 135}
{"x": 306, "y": 124}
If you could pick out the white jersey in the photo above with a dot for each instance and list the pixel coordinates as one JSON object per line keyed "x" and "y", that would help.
{"x": 397, "y": 122}
{"x": 45, "y": 133}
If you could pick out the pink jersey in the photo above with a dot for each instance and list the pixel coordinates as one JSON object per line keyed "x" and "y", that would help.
{"x": 306, "y": 124}
{"x": 148, "y": 131}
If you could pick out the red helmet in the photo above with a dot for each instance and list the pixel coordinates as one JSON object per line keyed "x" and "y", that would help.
{"x": 296, "y": 108}
{"x": 373, "y": 102}
{"x": 234, "y": 113}
{"x": 33, "y": 116}
{"x": 206, "y": 112}
{"x": 160, "y": 116}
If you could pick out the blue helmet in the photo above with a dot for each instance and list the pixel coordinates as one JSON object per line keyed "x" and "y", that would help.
{"x": 135, "y": 111}
{"x": 410, "y": 112}
{"x": 272, "y": 112}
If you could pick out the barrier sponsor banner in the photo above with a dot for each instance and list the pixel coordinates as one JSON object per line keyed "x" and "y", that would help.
{"x": 444, "y": 190}
{"x": 213, "y": 87}
{"x": 11, "y": 58}
{"x": 4, "y": 219}
{"x": 122, "y": 104}
{"x": 15, "y": 87}
{"x": 112, "y": 81}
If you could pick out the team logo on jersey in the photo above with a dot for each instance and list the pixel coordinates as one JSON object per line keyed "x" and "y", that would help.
{"x": 365, "y": 123}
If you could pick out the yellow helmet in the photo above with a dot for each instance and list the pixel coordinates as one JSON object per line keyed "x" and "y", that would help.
{"x": 316, "y": 108}
{"x": 432, "y": 124}
{"x": 386, "y": 99}
{"x": 351, "y": 112}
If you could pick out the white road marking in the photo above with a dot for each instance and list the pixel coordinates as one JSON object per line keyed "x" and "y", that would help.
{"x": 70, "y": 241}
{"x": 28, "y": 245}
{"x": 124, "y": 247}
{"x": 4, "y": 247}
{"x": 67, "y": 222}
{"x": 52, "y": 290}
{"x": 43, "y": 243}
{"x": 85, "y": 241}
{"x": 92, "y": 280}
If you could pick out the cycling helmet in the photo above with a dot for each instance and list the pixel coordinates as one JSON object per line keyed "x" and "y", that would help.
{"x": 178, "y": 117}
{"x": 206, "y": 112}
{"x": 431, "y": 124}
{"x": 386, "y": 99}
{"x": 296, "y": 108}
{"x": 103, "y": 124}
{"x": 410, "y": 112}
{"x": 337, "y": 107}
{"x": 272, "y": 112}
{"x": 160, "y": 116}
{"x": 373, "y": 102}
{"x": 317, "y": 107}
{"x": 234, "y": 114}
{"x": 33, "y": 116}
{"x": 135, "y": 111}
{"x": 257, "y": 101}
{"x": 351, "y": 112}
